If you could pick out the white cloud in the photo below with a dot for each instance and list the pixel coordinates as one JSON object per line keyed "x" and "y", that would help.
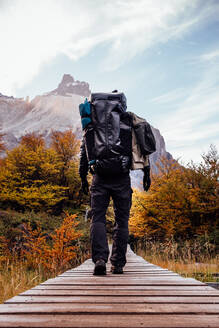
{"x": 193, "y": 125}
{"x": 170, "y": 96}
{"x": 210, "y": 56}
{"x": 32, "y": 32}
{"x": 205, "y": 59}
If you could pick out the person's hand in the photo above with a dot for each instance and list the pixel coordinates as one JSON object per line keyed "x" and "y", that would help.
{"x": 125, "y": 161}
{"x": 146, "y": 178}
{"x": 84, "y": 186}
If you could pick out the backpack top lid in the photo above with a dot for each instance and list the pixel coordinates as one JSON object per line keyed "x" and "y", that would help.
{"x": 113, "y": 96}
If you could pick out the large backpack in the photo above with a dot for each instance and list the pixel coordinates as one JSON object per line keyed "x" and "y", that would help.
{"x": 107, "y": 132}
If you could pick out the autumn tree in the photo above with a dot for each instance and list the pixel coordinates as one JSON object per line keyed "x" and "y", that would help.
{"x": 162, "y": 212}
{"x": 33, "y": 141}
{"x": 182, "y": 202}
{"x": 36, "y": 177}
{"x": 203, "y": 182}
{"x": 30, "y": 177}
{"x": 66, "y": 146}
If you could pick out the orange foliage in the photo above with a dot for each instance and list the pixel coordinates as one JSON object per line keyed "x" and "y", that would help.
{"x": 52, "y": 252}
{"x": 65, "y": 144}
{"x": 33, "y": 141}
{"x": 182, "y": 202}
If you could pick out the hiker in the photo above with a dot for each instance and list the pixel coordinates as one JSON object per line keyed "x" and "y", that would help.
{"x": 106, "y": 151}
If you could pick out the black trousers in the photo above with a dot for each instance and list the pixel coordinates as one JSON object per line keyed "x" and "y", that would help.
{"x": 102, "y": 188}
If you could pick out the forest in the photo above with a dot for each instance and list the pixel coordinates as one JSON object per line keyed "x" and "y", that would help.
{"x": 43, "y": 229}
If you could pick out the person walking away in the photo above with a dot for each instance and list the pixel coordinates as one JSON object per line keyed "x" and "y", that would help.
{"x": 106, "y": 151}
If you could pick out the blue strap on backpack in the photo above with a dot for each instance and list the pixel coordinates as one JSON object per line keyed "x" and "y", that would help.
{"x": 85, "y": 112}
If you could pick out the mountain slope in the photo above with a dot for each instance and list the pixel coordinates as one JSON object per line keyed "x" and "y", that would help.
{"x": 55, "y": 110}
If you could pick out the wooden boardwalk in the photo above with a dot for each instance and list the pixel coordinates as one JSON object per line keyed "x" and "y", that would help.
{"x": 144, "y": 296}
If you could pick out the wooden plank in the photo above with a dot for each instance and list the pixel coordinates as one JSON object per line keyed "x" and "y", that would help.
{"x": 109, "y": 320}
{"x": 112, "y": 292}
{"x": 125, "y": 270}
{"x": 133, "y": 272}
{"x": 109, "y": 308}
{"x": 120, "y": 283}
{"x": 126, "y": 274}
{"x": 128, "y": 265}
{"x": 136, "y": 269}
{"x": 122, "y": 278}
{"x": 113, "y": 299}
{"x": 126, "y": 288}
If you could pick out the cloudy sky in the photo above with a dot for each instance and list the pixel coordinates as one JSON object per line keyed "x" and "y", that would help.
{"x": 163, "y": 54}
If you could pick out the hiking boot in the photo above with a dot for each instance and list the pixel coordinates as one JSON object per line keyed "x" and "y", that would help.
{"x": 100, "y": 268}
{"x": 116, "y": 269}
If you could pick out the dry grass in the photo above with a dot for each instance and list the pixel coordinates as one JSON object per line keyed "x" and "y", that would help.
{"x": 193, "y": 259}
{"x": 15, "y": 278}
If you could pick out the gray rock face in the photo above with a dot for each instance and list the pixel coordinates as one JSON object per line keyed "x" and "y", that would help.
{"x": 69, "y": 86}
{"x": 42, "y": 115}
{"x": 12, "y": 111}
{"x": 161, "y": 149}
{"x": 57, "y": 110}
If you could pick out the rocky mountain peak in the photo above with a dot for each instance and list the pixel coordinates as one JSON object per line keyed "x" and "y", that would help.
{"x": 67, "y": 78}
{"x": 6, "y": 97}
{"x": 69, "y": 86}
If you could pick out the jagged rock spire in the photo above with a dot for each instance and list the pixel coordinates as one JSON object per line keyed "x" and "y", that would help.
{"x": 69, "y": 86}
